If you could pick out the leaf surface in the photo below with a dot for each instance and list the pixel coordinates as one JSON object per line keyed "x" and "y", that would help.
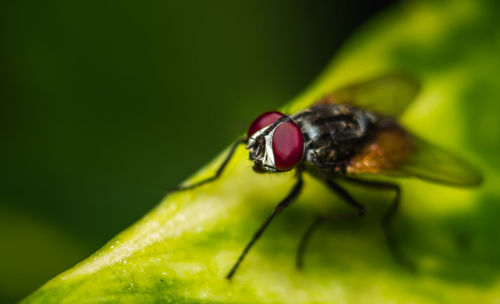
{"x": 181, "y": 251}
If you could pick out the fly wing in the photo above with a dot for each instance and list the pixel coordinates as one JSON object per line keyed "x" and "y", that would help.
{"x": 396, "y": 152}
{"x": 438, "y": 165}
{"x": 388, "y": 94}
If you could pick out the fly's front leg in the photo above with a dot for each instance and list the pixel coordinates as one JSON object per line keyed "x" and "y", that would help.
{"x": 346, "y": 197}
{"x": 218, "y": 173}
{"x": 388, "y": 219}
{"x": 294, "y": 193}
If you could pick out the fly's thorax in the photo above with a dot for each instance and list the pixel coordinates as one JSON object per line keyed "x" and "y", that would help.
{"x": 333, "y": 133}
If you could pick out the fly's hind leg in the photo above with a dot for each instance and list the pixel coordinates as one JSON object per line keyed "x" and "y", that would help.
{"x": 346, "y": 197}
{"x": 217, "y": 174}
{"x": 388, "y": 219}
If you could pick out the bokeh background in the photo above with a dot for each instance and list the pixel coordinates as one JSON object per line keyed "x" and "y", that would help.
{"x": 104, "y": 105}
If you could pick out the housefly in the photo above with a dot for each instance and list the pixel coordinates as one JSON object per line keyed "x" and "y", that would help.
{"x": 348, "y": 134}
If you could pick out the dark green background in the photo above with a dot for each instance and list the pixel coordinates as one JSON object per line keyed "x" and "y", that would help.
{"x": 105, "y": 104}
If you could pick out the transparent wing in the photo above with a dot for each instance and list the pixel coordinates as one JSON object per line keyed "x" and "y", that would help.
{"x": 396, "y": 152}
{"x": 388, "y": 94}
{"x": 438, "y": 165}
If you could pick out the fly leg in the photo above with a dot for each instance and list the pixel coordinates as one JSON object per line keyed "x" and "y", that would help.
{"x": 346, "y": 197}
{"x": 387, "y": 220}
{"x": 218, "y": 173}
{"x": 282, "y": 205}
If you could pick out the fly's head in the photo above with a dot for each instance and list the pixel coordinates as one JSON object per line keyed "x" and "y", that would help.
{"x": 275, "y": 143}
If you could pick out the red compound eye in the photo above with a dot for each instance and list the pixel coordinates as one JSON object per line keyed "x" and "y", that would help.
{"x": 263, "y": 121}
{"x": 288, "y": 145}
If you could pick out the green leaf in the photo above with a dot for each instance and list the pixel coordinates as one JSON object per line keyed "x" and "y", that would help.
{"x": 181, "y": 251}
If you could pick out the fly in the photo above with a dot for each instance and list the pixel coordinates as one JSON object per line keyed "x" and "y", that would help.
{"x": 348, "y": 135}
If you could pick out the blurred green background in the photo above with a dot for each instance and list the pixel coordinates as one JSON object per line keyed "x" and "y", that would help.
{"x": 106, "y": 104}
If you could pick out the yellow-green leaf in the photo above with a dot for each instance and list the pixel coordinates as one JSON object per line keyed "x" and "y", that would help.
{"x": 181, "y": 251}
